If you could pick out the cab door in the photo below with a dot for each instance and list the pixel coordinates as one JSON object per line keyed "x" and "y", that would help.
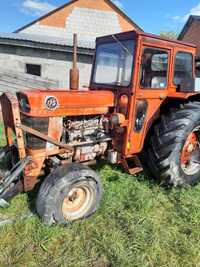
{"x": 151, "y": 89}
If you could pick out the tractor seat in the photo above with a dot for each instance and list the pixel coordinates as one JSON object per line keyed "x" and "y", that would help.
{"x": 158, "y": 82}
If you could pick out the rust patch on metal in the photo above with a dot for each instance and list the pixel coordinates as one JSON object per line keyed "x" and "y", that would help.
{"x": 11, "y": 117}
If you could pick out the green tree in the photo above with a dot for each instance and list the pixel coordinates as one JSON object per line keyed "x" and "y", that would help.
{"x": 169, "y": 34}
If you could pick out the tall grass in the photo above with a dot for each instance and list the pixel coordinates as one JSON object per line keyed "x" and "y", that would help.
{"x": 138, "y": 224}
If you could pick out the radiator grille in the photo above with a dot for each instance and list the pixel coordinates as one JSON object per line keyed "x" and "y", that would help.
{"x": 39, "y": 124}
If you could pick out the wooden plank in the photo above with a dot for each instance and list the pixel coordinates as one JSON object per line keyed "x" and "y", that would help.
{"x": 24, "y": 76}
{"x": 10, "y": 88}
{"x": 16, "y": 81}
{"x": 27, "y": 81}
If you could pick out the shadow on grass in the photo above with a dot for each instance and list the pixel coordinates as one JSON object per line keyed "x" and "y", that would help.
{"x": 119, "y": 171}
{"x": 32, "y": 195}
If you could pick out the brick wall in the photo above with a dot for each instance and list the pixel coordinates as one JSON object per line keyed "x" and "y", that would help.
{"x": 58, "y": 19}
{"x": 192, "y": 35}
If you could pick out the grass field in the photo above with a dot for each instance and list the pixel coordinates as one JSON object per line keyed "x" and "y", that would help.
{"x": 138, "y": 224}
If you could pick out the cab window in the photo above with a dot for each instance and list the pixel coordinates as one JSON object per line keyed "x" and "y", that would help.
{"x": 114, "y": 63}
{"x": 154, "y": 68}
{"x": 183, "y": 69}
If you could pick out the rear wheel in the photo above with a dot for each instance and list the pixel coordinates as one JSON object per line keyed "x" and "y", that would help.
{"x": 69, "y": 193}
{"x": 173, "y": 150}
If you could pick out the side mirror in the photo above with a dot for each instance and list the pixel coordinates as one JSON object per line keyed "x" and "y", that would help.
{"x": 197, "y": 68}
{"x": 197, "y": 64}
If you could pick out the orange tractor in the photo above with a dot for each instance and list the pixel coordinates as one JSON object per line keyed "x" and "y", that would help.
{"x": 141, "y": 110}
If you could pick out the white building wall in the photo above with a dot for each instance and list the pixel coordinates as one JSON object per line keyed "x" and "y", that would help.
{"x": 54, "y": 65}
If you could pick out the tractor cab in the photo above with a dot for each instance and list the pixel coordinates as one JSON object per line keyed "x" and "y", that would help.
{"x": 142, "y": 60}
{"x": 143, "y": 71}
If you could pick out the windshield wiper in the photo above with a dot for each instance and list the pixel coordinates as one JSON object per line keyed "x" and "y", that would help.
{"x": 121, "y": 44}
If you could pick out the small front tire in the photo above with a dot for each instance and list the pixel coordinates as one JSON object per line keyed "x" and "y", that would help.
{"x": 68, "y": 194}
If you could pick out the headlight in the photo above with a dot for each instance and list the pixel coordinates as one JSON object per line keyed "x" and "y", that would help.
{"x": 23, "y": 103}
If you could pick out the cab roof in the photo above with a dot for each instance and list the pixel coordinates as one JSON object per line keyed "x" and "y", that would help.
{"x": 125, "y": 35}
{"x": 157, "y": 37}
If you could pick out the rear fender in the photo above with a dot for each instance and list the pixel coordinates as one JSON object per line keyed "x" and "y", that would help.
{"x": 163, "y": 108}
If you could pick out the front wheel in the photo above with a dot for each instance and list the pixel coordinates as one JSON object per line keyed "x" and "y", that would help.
{"x": 173, "y": 150}
{"x": 69, "y": 193}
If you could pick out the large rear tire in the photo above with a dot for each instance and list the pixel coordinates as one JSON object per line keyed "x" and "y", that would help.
{"x": 69, "y": 193}
{"x": 172, "y": 152}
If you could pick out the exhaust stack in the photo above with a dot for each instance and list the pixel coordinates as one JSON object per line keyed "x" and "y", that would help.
{"x": 74, "y": 72}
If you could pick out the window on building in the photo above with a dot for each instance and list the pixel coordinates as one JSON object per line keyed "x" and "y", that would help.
{"x": 183, "y": 69}
{"x": 154, "y": 68}
{"x": 33, "y": 69}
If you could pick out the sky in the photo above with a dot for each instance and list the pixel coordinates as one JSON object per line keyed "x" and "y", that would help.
{"x": 152, "y": 16}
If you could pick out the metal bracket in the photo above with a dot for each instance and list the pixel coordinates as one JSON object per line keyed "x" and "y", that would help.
{"x": 11, "y": 176}
{"x": 4, "y": 204}
{"x": 136, "y": 168}
{"x": 43, "y": 136}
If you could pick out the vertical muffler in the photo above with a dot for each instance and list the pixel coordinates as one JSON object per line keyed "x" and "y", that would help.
{"x": 74, "y": 72}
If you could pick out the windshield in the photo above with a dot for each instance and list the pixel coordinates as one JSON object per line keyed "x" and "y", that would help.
{"x": 114, "y": 63}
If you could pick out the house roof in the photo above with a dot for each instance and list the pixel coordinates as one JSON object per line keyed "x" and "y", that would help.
{"x": 46, "y": 42}
{"x": 73, "y": 1}
{"x": 190, "y": 20}
{"x": 47, "y": 39}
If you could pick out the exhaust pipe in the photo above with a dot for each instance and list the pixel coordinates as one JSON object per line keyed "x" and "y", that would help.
{"x": 74, "y": 72}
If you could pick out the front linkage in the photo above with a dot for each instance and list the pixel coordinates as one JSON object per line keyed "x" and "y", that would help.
{"x": 10, "y": 183}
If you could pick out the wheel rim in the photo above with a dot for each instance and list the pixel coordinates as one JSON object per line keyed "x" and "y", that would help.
{"x": 190, "y": 156}
{"x": 77, "y": 203}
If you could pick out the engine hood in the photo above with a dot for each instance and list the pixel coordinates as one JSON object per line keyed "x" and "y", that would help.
{"x": 50, "y": 103}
